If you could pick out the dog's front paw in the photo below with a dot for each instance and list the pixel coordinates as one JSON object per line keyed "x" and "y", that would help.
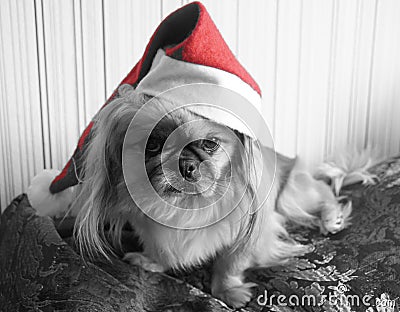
{"x": 139, "y": 259}
{"x": 237, "y": 296}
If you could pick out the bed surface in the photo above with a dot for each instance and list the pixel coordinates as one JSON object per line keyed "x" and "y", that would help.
{"x": 41, "y": 271}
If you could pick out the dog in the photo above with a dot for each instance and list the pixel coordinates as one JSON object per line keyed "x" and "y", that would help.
{"x": 205, "y": 196}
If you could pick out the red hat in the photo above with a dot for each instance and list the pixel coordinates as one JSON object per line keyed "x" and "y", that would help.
{"x": 185, "y": 48}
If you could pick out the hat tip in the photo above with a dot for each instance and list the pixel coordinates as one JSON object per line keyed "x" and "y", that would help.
{"x": 43, "y": 201}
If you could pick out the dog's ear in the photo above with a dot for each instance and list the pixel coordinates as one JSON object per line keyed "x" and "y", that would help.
{"x": 102, "y": 175}
{"x": 255, "y": 171}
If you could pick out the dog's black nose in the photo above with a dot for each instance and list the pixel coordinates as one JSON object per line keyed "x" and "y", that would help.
{"x": 189, "y": 169}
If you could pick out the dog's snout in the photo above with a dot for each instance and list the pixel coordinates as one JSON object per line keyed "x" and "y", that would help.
{"x": 189, "y": 169}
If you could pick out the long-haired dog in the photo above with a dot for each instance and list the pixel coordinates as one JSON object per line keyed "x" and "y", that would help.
{"x": 201, "y": 199}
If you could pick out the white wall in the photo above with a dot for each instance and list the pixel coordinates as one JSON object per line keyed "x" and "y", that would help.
{"x": 329, "y": 71}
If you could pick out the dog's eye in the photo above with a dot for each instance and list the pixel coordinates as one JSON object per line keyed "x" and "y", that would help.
{"x": 153, "y": 146}
{"x": 210, "y": 145}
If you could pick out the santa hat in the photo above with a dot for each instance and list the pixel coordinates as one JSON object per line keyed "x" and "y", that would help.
{"x": 186, "y": 48}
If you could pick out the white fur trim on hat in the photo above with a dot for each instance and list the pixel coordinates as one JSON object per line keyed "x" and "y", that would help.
{"x": 167, "y": 73}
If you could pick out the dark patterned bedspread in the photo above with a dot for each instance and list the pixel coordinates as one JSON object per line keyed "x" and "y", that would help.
{"x": 357, "y": 269}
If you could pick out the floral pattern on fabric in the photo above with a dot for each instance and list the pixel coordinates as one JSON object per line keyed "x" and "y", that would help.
{"x": 41, "y": 271}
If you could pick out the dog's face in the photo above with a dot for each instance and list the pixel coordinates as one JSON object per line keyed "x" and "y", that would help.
{"x": 189, "y": 156}
{"x": 175, "y": 163}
